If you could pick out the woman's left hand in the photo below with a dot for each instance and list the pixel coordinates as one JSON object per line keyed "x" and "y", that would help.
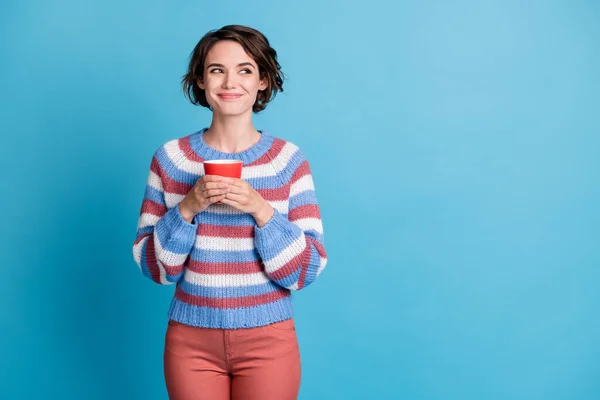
{"x": 244, "y": 197}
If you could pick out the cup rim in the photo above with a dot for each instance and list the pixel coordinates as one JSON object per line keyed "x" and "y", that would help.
{"x": 222, "y": 162}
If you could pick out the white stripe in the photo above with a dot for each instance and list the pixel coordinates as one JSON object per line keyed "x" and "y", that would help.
{"x": 285, "y": 155}
{"x": 294, "y": 286}
{"x": 224, "y": 209}
{"x": 307, "y": 224}
{"x": 258, "y": 171}
{"x": 224, "y": 243}
{"x": 302, "y": 184}
{"x": 279, "y": 163}
{"x": 166, "y": 256}
{"x": 173, "y": 199}
{"x": 226, "y": 280}
{"x": 321, "y": 265}
{"x": 286, "y": 255}
{"x": 281, "y": 206}
{"x": 163, "y": 273}
{"x": 147, "y": 219}
{"x": 137, "y": 255}
{"x": 154, "y": 181}
{"x": 137, "y": 252}
{"x": 176, "y": 155}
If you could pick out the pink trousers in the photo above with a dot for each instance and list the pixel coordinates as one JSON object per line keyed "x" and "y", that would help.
{"x": 241, "y": 364}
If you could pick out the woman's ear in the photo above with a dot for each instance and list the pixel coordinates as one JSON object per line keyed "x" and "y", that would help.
{"x": 263, "y": 84}
{"x": 199, "y": 83}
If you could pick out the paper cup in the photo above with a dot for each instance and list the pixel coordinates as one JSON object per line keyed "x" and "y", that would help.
{"x": 227, "y": 168}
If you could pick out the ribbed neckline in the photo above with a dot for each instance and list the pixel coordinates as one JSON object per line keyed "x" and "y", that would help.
{"x": 247, "y": 156}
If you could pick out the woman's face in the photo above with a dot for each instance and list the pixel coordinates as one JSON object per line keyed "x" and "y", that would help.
{"x": 231, "y": 79}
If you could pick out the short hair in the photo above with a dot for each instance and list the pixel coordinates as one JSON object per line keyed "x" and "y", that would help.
{"x": 255, "y": 44}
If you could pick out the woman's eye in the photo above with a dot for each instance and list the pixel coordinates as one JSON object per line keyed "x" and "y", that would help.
{"x": 219, "y": 70}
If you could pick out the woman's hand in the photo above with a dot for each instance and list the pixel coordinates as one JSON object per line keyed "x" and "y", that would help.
{"x": 207, "y": 190}
{"x": 243, "y": 197}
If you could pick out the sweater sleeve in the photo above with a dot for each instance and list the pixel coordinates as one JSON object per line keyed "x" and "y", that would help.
{"x": 164, "y": 239}
{"x": 292, "y": 248}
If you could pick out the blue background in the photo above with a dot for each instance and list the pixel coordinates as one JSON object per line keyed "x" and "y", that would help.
{"x": 455, "y": 151}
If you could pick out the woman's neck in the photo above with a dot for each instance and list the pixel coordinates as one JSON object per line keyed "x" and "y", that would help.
{"x": 231, "y": 134}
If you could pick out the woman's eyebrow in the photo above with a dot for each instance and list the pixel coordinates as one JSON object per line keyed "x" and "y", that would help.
{"x": 222, "y": 66}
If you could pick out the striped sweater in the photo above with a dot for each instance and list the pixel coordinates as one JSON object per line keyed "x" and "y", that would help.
{"x": 229, "y": 272}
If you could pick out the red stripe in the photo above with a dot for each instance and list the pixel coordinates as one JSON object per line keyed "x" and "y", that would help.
{"x": 172, "y": 269}
{"x": 214, "y": 268}
{"x": 305, "y": 264}
{"x": 303, "y": 169}
{"x": 269, "y": 155}
{"x": 304, "y": 211}
{"x": 302, "y": 260}
{"x": 278, "y": 194}
{"x": 288, "y": 268}
{"x": 186, "y": 149}
{"x": 169, "y": 185}
{"x": 152, "y": 207}
{"x": 236, "y": 232}
{"x": 151, "y": 260}
{"x": 140, "y": 238}
{"x": 176, "y": 187}
{"x": 318, "y": 246}
{"x": 233, "y": 302}
{"x": 155, "y": 167}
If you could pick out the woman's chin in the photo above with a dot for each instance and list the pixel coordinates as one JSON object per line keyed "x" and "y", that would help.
{"x": 231, "y": 111}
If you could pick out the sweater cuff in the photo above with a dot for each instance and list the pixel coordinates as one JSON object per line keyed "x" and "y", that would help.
{"x": 274, "y": 231}
{"x": 176, "y": 231}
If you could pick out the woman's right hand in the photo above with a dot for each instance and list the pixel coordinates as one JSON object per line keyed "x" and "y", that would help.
{"x": 208, "y": 190}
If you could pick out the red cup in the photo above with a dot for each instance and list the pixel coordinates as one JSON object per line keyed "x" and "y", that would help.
{"x": 227, "y": 168}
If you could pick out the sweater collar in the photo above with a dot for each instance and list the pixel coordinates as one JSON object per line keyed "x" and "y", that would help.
{"x": 247, "y": 156}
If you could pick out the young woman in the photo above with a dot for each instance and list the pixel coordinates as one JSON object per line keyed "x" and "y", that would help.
{"x": 235, "y": 248}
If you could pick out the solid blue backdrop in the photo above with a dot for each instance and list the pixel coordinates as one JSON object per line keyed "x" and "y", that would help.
{"x": 455, "y": 151}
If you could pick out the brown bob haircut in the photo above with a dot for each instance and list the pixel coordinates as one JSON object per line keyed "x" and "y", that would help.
{"x": 256, "y": 46}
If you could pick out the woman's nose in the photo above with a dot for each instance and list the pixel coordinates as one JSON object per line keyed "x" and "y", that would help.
{"x": 228, "y": 82}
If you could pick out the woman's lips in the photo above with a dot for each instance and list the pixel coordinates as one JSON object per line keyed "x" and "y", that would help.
{"x": 230, "y": 96}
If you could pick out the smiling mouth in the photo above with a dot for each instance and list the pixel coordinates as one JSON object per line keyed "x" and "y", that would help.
{"x": 229, "y": 96}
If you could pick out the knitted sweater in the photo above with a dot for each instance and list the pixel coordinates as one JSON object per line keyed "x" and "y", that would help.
{"x": 229, "y": 272}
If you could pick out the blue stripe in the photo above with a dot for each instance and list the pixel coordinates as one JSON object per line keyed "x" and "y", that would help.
{"x": 292, "y": 165}
{"x": 231, "y": 318}
{"x": 290, "y": 279}
{"x": 154, "y": 195}
{"x": 303, "y": 198}
{"x": 174, "y": 172}
{"x": 227, "y": 292}
{"x": 270, "y": 182}
{"x": 173, "y": 246}
{"x": 146, "y": 269}
{"x": 313, "y": 266}
{"x": 143, "y": 231}
{"x": 174, "y": 234}
{"x": 220, "y": 256}
{"x": 315, "y": 235}
{"x": 277, "y": 247}
{"x": 143, "y": 264}
{"x": 208, "y": 217}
